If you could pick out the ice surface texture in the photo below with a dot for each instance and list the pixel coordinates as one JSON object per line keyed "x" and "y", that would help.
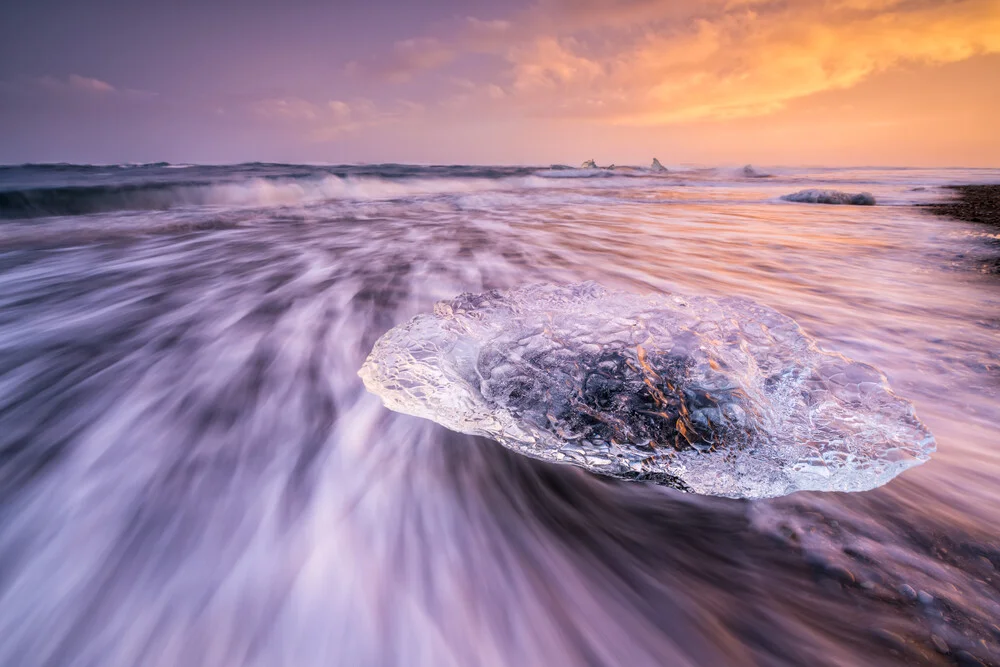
{"x": 719, "y": 396}
{"x": 815, "y": 196}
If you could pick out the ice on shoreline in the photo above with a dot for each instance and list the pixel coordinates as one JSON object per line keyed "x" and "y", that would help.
{"x": 817, "y": 196}
{"x": 719, "y": 396}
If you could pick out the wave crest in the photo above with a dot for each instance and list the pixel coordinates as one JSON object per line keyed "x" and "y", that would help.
{"x": 256, "y": 192}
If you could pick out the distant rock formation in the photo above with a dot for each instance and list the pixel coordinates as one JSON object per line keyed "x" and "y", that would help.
{"x": 657, "y": 167}
{"x": 815, "y": 196}
{"x": 589, "y": 164}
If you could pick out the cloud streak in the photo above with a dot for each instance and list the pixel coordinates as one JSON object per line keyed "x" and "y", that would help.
{"x": 89, "y": 84}
{"x": 286, "y": 109}
{"x": 75, "y": 86}
{"x": 331, "y": 120}
{"x": 407, "y": 59}
{"x": 77, "y": 83}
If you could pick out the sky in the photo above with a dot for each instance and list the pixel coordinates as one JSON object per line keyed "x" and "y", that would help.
{"x": 815, "y": 82}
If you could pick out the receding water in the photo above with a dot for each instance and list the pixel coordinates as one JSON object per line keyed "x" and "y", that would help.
{"x": 191, "y": 472}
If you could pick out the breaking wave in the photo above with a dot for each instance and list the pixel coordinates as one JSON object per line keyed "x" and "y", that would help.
{"x": 257, "y": 192}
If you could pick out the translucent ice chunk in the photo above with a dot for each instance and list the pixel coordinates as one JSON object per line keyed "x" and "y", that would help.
{"x": 814, "y": 196}
{"x": 719, "y": 396}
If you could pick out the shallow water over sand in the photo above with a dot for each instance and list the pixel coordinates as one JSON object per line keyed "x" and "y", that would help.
{"x": 191, "y": 471}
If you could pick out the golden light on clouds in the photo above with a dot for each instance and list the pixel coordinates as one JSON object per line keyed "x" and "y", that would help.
{"x": 735, "y": 60}
{"x": 687, "y": 73}
{"x": 902, "y": 82}
{"x": 817, "y": 81}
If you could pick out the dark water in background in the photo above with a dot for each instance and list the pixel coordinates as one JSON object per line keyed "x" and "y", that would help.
{"x": 192, "y": 473}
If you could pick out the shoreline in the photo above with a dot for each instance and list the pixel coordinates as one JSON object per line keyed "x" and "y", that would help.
{"x": 971, "y": 203}
{"x": 979, "y": 204}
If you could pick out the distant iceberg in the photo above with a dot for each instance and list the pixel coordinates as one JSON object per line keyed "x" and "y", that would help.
{"x": 590, "y": 164}
{"x": 749, "y": 172}
{"x": 719, "y": 396}
{"x": 815, "y": 196}
{"x": 657, "y": 167}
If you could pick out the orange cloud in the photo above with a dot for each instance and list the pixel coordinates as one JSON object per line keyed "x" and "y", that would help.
{"x": 551, "y": 63}
{"x": 407, "y": 58}
{"x": 747, "y": 64}
{"x": 651, "y": 62}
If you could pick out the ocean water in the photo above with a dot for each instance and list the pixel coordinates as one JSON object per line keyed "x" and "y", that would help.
{"x": 191, "y": 471}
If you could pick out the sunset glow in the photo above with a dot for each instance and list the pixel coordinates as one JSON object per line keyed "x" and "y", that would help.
{"x": 837, "y": 82}
{"x": 465, "y": 333}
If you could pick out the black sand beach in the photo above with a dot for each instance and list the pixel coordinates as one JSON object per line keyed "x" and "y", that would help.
{"x": 972, "y": 203}
{"x": 978, "y": 204}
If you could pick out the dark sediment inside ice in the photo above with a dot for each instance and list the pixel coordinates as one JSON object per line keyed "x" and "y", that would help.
{"x": 625, "y": 395}
{"x": 725, "y": 395}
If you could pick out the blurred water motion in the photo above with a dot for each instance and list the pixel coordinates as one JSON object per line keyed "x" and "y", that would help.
{"x": 192, "y": 473}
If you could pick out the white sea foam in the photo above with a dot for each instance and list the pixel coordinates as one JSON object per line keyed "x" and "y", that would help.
{"x": 265, "y": 192}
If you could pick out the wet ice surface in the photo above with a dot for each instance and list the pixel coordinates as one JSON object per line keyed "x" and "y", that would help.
{"x": 817, "y": 196}
{"x": 719, "y": 396}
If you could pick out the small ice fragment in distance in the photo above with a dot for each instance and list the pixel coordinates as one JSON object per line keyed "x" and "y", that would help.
{"x": 815, "y": 196}
{"x": 719, "y": 396}
{"x": 749, "y": 172}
